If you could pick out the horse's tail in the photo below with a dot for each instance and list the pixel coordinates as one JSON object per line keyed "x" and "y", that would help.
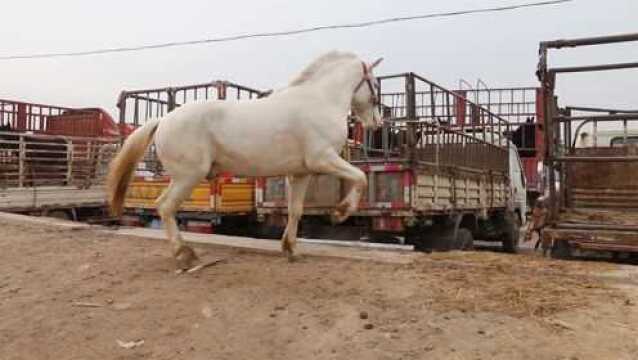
{"x": 122, "y": 167}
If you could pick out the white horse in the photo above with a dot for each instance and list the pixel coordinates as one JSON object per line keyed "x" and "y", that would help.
{"x": 297, "y": 131}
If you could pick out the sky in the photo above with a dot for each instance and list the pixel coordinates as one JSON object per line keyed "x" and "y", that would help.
{"x": 499, "y": 48}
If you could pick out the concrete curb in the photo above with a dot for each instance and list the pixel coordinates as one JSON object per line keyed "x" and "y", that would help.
{"x": 384, "y": 253}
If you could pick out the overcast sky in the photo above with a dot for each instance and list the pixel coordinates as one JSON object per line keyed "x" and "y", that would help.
{"x": 500, "y": 48}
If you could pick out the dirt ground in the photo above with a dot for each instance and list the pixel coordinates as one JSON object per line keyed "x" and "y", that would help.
{"x": 73, "y": 294}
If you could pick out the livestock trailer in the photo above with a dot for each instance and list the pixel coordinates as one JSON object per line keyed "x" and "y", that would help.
{"x": 592, "y": 162}
{"x": 433, "y": 178}
{"x": 225, "y": 204}
{"x": 46, "y": 166}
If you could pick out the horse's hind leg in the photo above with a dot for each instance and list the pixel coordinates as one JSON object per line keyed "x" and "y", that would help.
{"x": 168, "y": 203}
{"x": 298, "y": 188}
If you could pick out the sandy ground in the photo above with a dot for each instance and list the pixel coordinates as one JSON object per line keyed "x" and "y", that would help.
{"x": 72, "y": 294}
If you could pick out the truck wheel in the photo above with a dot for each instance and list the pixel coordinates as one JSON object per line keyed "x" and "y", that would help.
{"x": 269, "y": 232}
{"x": 59, "y": 214}
{"x": 561, "y": 250}
{"x": 464, "y": 240}
{"x": 411, "y": 237}
{"x": 511, "y": 235}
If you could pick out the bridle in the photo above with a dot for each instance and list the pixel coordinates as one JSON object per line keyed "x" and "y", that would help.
{"x": 368, "y": 79}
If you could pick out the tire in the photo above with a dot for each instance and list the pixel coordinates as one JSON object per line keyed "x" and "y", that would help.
{"x": 59, "y": 214}
{"x": 512, "y": 234}
{"x": 411, "y": 237}
{"x": 264, "y": 231}
{"x": 464, "y": 240}
{"x": 561, "y": 250}
{"x": 383, "y": 238}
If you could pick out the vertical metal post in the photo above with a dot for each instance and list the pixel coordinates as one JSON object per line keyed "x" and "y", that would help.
{"x": 568, "y": 129}
{"x": 69, "y": 162}
{"x": 595, "y": 133}
{"x": 624, "y": 132}
{"x": 136, "y": 112}
{"x": 548, "y": 115}
{"x": 171, "y": 99}
{"x": 221, "y": 90}
{"x": 21, "y": 158}
{"x": 447, "y": 109}
{"x": 410, "y": 104}
{"x": 432, "y": 101}
{"x": 121, "y": 105}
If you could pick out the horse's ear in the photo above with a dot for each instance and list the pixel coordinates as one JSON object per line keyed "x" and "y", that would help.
{"x": 375, "y": 63}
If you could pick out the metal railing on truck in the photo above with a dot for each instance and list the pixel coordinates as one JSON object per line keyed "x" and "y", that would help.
{"x": 137, "y": 106}
{"x": 23, "y": 116}
{"x": 33, "y": 160}
{"x": 592, "y": 188}
{"x": 521, "y": 107}
{"x": 434, "y": 129}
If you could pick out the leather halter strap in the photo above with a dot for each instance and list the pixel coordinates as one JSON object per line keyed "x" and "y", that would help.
{"x": 367, "y": 78}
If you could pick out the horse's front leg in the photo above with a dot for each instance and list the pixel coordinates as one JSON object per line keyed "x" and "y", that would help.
{"x": 168, "y": 205}
{"x": 354, "y": 178}
{"x": 298, "y": 186}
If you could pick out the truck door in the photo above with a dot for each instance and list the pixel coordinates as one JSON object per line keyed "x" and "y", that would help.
{"x": 517, "y": 181}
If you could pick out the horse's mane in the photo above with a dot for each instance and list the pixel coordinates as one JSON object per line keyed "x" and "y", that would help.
{"x": 313, "y": 68}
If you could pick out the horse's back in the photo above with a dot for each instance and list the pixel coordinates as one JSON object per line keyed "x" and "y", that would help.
{"x": 268, "y": 136}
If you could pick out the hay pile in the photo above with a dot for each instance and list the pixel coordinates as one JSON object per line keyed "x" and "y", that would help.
{"x": 520, "y": 286}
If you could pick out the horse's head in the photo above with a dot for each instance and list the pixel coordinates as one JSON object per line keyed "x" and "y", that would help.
{"x": 366, "y": 98}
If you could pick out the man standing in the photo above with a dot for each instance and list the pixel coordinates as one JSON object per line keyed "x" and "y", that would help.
{"x": 539, "y": 218}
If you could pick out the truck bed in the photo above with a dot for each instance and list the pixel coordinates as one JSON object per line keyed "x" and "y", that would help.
{"x": 231, "y": 195}
{"x": 37, "y": 198}
{"x": 600, "y": 203}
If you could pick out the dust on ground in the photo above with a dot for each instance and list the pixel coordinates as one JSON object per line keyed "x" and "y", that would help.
{"x": 87, "y": 294}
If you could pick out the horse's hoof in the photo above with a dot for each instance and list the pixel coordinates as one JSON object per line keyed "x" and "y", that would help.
{"x": 338, "y": 217}
{"x": 291, "y": 256}
{"x": 185, "y": 257}
{"x": 342, "y": 207}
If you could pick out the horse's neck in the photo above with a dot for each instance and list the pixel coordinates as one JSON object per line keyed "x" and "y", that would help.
{"x": 339, "y": 84}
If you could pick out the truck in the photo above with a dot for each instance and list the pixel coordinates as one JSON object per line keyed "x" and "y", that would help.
{"x": 592, "y": 162}
{"x": 48, "y": 165}
{"x": 435, "y": 180}
{"x": 224, "y": 204}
